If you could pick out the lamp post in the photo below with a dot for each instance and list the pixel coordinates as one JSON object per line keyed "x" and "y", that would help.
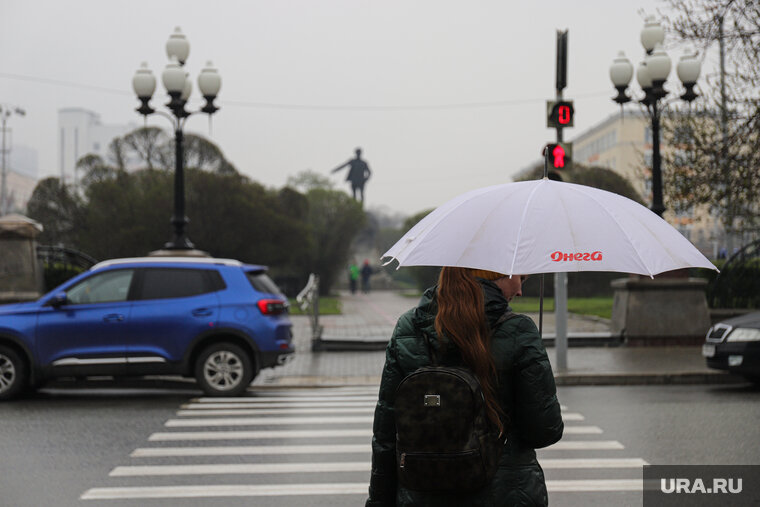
{"x": 651, "y": 74}
{"x": 5, "y": 113}
{"x": 179, "y": 86}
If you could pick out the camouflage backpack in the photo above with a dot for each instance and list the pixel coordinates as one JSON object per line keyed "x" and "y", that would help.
{"x": 444, "y": 438}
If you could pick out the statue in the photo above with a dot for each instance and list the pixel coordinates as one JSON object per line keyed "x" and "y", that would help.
{"x": 358, "y": 174}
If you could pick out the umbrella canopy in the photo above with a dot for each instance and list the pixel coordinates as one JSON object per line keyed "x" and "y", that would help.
{"x": 545, "y": 226}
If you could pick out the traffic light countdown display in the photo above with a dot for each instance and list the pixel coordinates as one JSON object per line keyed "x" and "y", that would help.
{"x": 559, "y": 114}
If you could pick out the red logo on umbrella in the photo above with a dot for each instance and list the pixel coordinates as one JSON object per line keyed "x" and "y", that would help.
{"x": 578, "y": 256}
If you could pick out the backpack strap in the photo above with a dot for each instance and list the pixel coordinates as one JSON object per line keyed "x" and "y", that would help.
{"x": 431, "y": 351}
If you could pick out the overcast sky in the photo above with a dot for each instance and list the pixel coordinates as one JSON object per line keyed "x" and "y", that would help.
{"x": 443, "y": 96}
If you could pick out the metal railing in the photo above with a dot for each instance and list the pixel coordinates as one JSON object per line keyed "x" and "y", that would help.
{"x": 50, "y": 254}
{"x": 308, "y": 302}
{"x": 738, "y": 283}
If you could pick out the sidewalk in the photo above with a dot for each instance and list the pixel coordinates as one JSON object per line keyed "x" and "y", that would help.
{"x": 369, "y": 319}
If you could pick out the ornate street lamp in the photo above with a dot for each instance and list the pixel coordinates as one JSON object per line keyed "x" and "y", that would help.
{"x": 179, "y": 86}
{"x": 651, "y": 75}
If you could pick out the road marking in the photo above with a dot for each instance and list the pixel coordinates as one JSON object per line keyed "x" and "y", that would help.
{"x": 301, "y": 404}
{"x": 595, "y": 485}
{"x": 572, "y": 416}
{"x": 225, "y": 491}
{"x": 240, "y": 468}
{"x": 593, "y": 463}
{"x": 277, "y": 411}
{"x": 357, "y": 488}
{"x": 251, "y": 435}
{"x": 575, "y": 445}
{"x": 267, "y": 421}
{"x": 582, "y": 430}
{"x": 269, "y": 399}
{"x": 250, "y": 450}
{"x": 285, "y": 405}
{"x": 336, "y": 466}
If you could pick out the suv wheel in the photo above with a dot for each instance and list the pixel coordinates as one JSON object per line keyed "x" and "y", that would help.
{"x": 224, "y": 369}
{"x": 13, "y": 374}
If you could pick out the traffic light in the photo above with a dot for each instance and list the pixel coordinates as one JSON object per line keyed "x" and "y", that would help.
{"x": 559, "y": 114}
{"x": 560, "y": 155}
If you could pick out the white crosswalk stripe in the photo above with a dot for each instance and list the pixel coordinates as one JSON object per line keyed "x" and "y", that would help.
{"x": 320, "y": 438}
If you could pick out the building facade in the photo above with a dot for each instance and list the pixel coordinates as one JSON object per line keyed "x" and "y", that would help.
{"x": 622, "y": 142}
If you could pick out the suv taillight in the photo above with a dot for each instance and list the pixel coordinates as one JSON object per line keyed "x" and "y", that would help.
{"x": 271, "y": 306}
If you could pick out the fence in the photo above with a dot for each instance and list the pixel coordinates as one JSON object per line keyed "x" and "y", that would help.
{"x": 308, "y": 301}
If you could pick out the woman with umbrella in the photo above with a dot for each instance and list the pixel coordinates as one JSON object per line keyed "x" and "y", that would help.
{"x": 468, "y": 315}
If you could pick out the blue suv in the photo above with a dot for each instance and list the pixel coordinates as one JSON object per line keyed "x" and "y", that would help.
{"x": 218, "y": 320}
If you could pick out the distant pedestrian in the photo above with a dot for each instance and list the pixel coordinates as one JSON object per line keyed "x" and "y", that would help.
{"x": 353, "y": 276}
{"x": 366, "y": 273}
{"x": 466, "y": 320}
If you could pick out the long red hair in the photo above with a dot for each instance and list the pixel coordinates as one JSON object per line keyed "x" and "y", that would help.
{"x": 461, "y": 317}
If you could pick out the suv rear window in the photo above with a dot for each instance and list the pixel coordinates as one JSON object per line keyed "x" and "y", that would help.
{"x": 262, "y": 283}
{"x": 163, "y": 283}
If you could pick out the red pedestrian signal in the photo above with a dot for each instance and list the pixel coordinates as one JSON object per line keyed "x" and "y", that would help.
{"x": 558, "y": 156}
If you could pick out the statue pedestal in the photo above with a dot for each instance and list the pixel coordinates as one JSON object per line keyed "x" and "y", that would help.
{"x": 20, "y": 272}
{"x": 178, "y": 253}
{"x": 661, "y": 311}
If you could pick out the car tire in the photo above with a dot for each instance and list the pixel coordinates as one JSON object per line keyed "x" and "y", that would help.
{"x": 13, "y": 373}
{"x": 224, "y": 369}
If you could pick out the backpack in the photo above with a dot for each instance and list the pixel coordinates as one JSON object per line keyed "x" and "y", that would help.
{"x": 444, "y": 438}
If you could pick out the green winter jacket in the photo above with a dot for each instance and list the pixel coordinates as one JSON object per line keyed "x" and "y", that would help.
{"x": 526, "y": 392}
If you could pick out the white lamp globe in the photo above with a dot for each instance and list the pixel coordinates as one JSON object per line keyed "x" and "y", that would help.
{"x": 144, "y": 82}
{"x": 173, "y": 77}
{"x": 621, "y": 71}
{"x": 658, "y": 64}
{"x": 652, "y": 33}
{"x": 209, "y": 81}
{"x": 178, "y": 46}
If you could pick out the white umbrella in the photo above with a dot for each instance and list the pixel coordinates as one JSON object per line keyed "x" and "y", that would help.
{"x": 545, "y": 226}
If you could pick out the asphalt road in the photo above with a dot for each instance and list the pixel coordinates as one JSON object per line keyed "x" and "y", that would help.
{"x": 58, "y": 445}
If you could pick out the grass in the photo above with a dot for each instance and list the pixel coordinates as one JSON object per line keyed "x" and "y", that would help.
{"x": 598, "y": 306}
{"x": 328, "y": 305}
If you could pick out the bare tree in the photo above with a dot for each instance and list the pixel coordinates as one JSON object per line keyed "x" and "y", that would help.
{"x": 716, "y": 151}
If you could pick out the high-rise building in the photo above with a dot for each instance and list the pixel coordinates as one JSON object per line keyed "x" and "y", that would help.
{"x": 20, "y": 166}
{"x": 80, "y": 133}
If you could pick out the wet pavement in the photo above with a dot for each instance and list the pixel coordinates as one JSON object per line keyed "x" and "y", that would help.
{"x": 368, "y": 320}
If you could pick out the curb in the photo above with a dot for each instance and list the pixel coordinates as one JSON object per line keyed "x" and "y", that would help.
{"x": 561, "y": 379}
{"x": 632, "y": 379}
{"x": 602, "y": 339}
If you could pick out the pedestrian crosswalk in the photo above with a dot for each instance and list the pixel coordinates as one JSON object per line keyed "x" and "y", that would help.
{"x": 316, "y": 442}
